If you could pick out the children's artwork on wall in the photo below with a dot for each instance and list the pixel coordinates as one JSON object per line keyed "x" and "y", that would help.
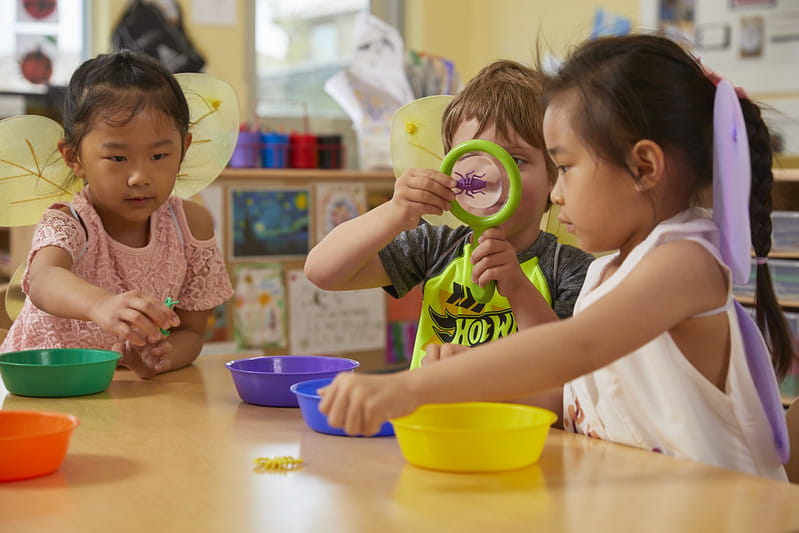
{"x": 217, "y": 329}
{"x": 269, "y": 222}
{"x": 259, "y": 309}
{"x": 403, "y": 320}
{"x": 35, "y": 55}
{"x": 324, "y": 322}
{"x": 42, "y": 44}
{"x": 336, "y": 203}
{"x": 212, "y": 198}
{"x": 37, "y": 10}
{"x": 400, "y": 337}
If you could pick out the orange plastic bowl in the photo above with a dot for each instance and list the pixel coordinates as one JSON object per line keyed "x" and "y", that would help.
{"x": 33, "y": 443}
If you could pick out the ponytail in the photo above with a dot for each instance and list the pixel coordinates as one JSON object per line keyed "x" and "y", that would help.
{"x": 768, "y": 313}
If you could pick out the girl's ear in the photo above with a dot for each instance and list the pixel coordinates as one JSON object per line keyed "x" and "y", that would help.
{"x": 71, "y": 158}
{"x": 186, "y": 144}
{"x": 648, "y": 163}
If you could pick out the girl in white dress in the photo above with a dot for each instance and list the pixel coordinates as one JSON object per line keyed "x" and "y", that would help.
{"x": 657, "y": 355}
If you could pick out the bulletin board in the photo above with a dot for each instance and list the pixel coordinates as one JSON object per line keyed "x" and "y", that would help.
{"x": 753, "y": 43}
{"x": 266, "y": 221}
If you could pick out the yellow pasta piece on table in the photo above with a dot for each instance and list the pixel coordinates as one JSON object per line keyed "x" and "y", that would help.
{"x": 284, "y": 463}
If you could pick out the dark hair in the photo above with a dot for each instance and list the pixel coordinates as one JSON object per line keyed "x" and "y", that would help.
{"x": 505, "y": 94}
{"x": 638, "y": 87}
{"x": 122, "y": 82}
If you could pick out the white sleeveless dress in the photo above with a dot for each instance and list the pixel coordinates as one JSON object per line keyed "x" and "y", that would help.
{"x": 653, "y": 398}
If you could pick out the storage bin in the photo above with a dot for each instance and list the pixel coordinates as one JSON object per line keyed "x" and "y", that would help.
{"x": 785, "y": 231}
{"x": 785, "y": 277}
{"x": 274, "y": 149}
{"x": 247, "y": 153}
{"x": 747, "y": 289}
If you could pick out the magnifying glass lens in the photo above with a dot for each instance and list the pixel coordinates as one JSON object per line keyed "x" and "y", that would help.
{"x": 483, "y": 184}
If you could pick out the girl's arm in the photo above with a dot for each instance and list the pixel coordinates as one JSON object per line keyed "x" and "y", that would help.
{"x": 672, "y": 283}
{"x": 55, "y": 289}
{"x": 347, "y": 258}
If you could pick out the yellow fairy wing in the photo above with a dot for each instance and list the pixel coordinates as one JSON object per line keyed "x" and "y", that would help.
{"x": 416, "y": 142}
{"x": 33, "y": 174}
{"x": 15, "y": 298}
{"x": 214, "y": 111}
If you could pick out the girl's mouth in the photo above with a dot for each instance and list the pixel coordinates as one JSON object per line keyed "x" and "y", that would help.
{"x": 141, "y": 200}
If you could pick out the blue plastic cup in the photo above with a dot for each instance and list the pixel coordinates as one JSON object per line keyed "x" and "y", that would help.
{"x": 274, "y": 149}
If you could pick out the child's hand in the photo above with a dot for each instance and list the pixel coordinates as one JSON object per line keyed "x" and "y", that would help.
{"x": 437, "y": 352}
{"x": 495, "y": 259}
{"x": 360, "y": 403}
{"x": 134, "y": 316}
{"x": 146, "y": 361}
{"x": 421, "y": 191}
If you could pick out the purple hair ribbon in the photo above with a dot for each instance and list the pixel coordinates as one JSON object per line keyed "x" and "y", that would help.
{"x": 732, "y": 179}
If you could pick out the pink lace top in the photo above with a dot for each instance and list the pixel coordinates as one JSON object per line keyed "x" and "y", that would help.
{"x": 173, "y": 264}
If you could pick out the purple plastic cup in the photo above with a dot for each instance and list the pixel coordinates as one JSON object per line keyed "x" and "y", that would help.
{"x": 267, "y": 380}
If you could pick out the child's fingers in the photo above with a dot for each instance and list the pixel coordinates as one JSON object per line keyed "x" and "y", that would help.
{"x": 354, "y": 420}
{"x": 336, "y": 406}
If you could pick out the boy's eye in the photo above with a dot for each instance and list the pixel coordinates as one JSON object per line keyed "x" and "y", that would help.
{"x": 562, "y": 169}
{"x": 158, "y": 157}
{"x": 116, "y": 158}
{"x": 519, "y": 161}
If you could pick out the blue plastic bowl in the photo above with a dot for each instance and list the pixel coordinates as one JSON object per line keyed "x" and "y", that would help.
{"x": 266, "y": 380}
{"x": 309, "y": 399}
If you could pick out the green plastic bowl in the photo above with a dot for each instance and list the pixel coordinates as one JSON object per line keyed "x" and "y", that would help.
{"x": 58, "y": 372}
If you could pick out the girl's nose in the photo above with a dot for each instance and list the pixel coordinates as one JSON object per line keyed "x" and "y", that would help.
{"x": 138, "y": 178}
{"x": 556, "y": 195}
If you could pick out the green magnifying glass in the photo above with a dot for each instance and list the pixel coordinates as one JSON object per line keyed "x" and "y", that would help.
{"x": 485, "y": 196}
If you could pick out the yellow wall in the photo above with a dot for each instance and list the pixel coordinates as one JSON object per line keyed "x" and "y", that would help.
{"x": 472, "y": 33}
{"x": 225, "y": 48}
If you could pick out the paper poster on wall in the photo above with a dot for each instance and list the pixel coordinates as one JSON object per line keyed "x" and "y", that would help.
{"x": 337, "y": 203}
{"x": 41, "y": 44}
{"x": 37, "y": 11}
{"x": 259, "y": 308}
{"x": 217, "y": 328}
{"x": 324, "y": 322}
{"x": 269, "y": 222}
{"x": 211, "y": 198}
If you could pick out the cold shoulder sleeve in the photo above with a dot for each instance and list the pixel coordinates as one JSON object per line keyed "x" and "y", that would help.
{"x": 60, "y": 229}
{"x": 207, "y": 283}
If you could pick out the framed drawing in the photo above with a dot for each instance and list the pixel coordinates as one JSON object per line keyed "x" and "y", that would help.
{"x": 268, "y": 222}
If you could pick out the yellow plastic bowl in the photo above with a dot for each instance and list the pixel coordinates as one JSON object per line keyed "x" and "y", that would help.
{"x": 474, "y": 436}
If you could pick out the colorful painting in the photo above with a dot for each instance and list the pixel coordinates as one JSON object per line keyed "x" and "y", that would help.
{"x": 269, "y": 222}
{"x": 337, "y": 203}
{"x": 259, "y": 315}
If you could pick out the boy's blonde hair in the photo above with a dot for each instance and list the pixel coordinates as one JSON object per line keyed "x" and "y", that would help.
{"x": 507, "y": 95}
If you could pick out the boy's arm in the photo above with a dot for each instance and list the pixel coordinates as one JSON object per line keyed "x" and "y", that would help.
{"x": 347, "y": 257}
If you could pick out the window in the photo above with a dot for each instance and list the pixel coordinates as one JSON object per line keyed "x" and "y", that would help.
{"x": 299, "y": 44}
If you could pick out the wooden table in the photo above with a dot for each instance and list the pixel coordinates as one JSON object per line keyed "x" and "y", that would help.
{"x": 175, "y": 454}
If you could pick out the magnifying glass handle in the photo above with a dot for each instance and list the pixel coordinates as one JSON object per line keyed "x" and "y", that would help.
{"x": 480, "y": 294}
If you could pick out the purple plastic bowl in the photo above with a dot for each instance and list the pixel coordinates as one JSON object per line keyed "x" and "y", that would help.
{"x": 267, "y": 380}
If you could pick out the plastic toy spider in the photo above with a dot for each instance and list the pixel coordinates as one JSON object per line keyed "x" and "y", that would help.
{"x": 470, "y": 184}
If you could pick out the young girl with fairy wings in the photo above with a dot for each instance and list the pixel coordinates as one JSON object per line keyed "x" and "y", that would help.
{"x": 101, "y": 267}
{"x": 658, "y": 354}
